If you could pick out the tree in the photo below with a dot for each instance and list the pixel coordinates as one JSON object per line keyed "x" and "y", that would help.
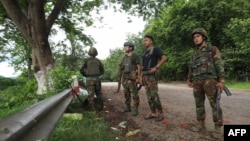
{"x": 173, "y": 26}
{"x": 111, "y": 64}
{"x": 30, "y": 19}
{"x": 238, "y": 56}
{"x": 35, "y": 19}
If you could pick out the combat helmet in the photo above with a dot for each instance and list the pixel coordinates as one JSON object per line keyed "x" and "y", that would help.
{"x": 129, "y": 44}
{"x": 201, "y": 31}
{"x": 92, "y": 52}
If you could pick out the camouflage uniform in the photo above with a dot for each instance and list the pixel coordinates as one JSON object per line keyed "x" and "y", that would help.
{"x": 92, "y": 69}
{"x": 206, "y": 69}
{"x": 150, "y": 80}
{"x": 129, "y": 76}
{"x": 151, "y": 87}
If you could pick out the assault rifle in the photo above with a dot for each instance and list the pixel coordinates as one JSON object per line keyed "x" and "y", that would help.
{"x": 228, "y": 93}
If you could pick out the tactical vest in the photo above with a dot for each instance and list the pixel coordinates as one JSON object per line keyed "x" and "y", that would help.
{"x": 93, "y": 67}
{"x": 149, "y": 56}
{"x": 202, "y": 64}
{"x": 128, "y": 65}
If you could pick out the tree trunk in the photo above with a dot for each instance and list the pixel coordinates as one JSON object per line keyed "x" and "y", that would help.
{"x": 43, "y": 63}
{"x": 32, "y": 22}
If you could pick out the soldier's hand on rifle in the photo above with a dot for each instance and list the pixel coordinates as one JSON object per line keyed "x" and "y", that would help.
{"x": 220, "y": 85}
{"x": 153, "y": 70}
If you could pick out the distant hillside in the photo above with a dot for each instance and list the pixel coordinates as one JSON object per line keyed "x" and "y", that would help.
{"x": 5, "y": 82}
{"x": 7, "y": 77}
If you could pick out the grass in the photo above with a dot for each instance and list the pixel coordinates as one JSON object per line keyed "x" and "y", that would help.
{"x": 6, "y": 111}
{"x": 238, "y": 85}
{"x": 81, "y": 126}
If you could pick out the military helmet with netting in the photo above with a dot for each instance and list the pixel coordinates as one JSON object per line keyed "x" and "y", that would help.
{"x": 200, "y": 31}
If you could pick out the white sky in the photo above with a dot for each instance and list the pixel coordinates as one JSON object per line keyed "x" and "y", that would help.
{"x": 7, "y": 71}
{"x": 112, "y": 35}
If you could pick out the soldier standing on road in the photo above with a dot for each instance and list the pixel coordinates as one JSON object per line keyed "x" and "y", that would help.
{"x": 92, "y": 69}
{"x": 150, "y": 64}
{"x": 206, "y": 75}
{"x": 131, "y": 72}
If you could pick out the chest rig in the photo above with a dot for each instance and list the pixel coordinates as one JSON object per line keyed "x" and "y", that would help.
{"x": 128, "y": 65}
{"x": 202, "y": 64}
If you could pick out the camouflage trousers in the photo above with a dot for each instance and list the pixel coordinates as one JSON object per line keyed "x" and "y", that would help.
{"x": 200, "y": 89}
{"x": 94, "y": 89}
{"x": 129, "y": 87}
{"x": 151, "y": 87}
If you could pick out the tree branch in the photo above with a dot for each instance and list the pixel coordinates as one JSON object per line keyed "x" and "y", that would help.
{"x": 54, "y": 14}
{"x": 18, "y": 17}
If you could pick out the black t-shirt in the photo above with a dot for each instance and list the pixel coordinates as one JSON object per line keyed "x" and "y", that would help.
{"x": 151, "y": 60}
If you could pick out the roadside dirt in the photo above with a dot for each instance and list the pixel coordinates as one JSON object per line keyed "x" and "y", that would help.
{"x": 179, "y": 113}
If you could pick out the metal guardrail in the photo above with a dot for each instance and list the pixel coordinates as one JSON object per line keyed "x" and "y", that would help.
{"x": 36, "y": 122}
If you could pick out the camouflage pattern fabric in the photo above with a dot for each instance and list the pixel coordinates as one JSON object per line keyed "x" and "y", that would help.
{"x": 129, "y": 79}
{"x": 151, "y": 87}
{"x": 208, "y": 87}
{"x": 206, "y": 63}
{"x": 205, "y": 71}
{"x": 94, "y": 89}
{"x": 130, "y": 90}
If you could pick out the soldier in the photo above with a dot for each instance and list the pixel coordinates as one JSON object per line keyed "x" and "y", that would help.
{"x": 150, "y": 64}
{"x": 131, "y": 71}
{"x": 92, "y": 69}
{"x": 206, "y": 75}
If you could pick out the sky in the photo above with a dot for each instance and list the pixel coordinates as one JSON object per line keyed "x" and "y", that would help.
{"x": 113, "y": 33}
{"x": 7, "y": 71}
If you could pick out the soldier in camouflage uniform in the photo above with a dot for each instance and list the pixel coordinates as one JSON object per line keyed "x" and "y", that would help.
{"x": 92, "y": 69}
{"x": 206, "y": 76}
{"x": 150, "y": 64}
{"x": 131, "y": 69}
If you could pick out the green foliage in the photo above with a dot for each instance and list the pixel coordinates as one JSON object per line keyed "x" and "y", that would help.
{"x": 237, "y": 56}
{"x": 238, "y": 85}
{"x": 111, "y": 64}
{"x": 6, "y": 82}
{"x": 79, "y": 125}
{"x": 15, "y": 95}
{"x": 61, "y": 78}
{"x": 88, "y": 128}
{"x": 224, "y": 20}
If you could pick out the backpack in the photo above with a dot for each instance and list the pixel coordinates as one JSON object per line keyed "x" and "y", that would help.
{"x": 92, "y": 67}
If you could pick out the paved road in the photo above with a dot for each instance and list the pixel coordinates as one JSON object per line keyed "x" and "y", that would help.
{"x": 179, "y": 111}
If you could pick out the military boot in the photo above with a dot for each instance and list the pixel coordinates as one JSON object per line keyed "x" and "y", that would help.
{"x": 199, "y": 126}
{"x": 217, "y": 132}
{"x": 134, "y": 112}
{"x": 128, "y": 109}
